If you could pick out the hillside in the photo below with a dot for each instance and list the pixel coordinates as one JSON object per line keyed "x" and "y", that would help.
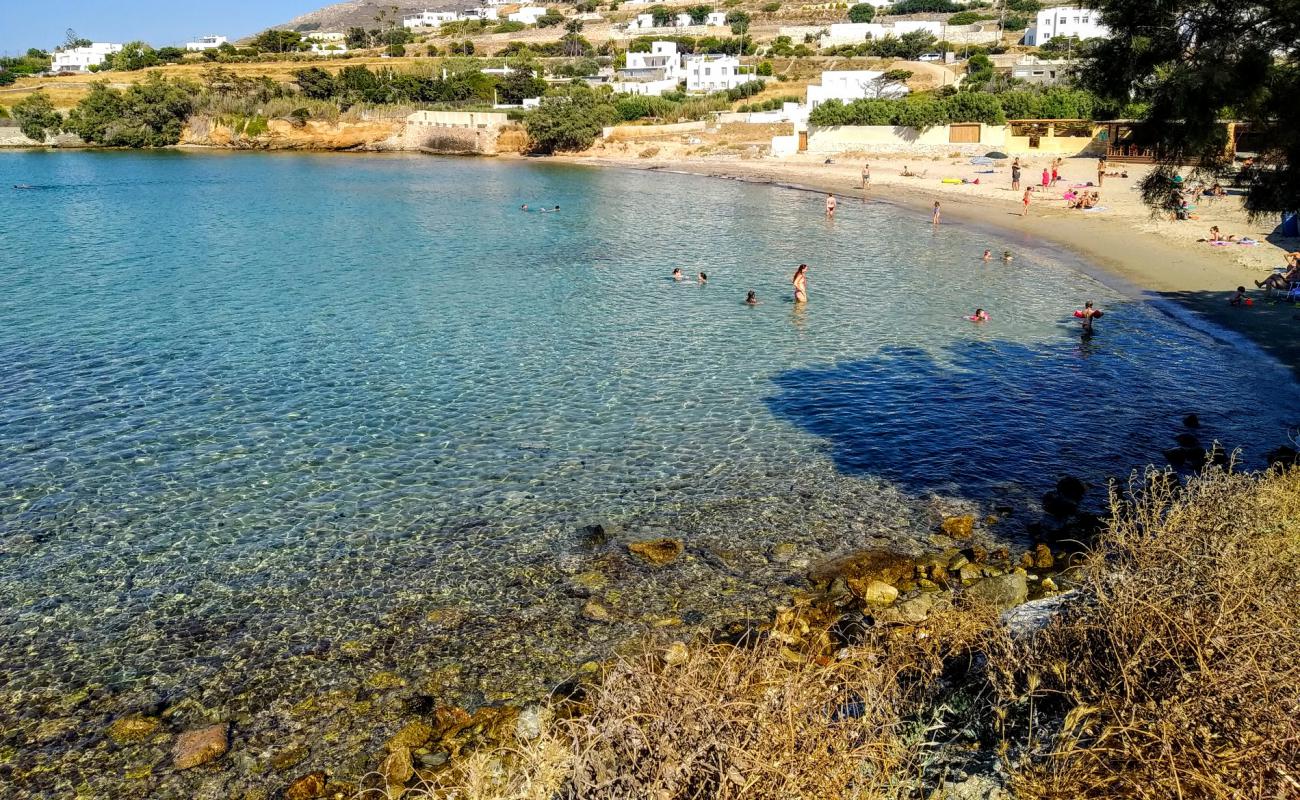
{"x": 363, "y": 14}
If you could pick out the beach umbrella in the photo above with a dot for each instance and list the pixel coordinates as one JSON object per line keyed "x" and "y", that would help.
{"x": 995, "y": 154}
{"x": 982, "y": 161}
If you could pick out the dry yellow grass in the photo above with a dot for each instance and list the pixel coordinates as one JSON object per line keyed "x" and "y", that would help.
{"x": 1173, "y": 673}
{"x": 1177, "y": 672}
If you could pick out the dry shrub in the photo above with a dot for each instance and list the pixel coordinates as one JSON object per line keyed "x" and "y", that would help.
{"x": 773, "y": 721}
{"x": 649, "y": 152}
{"x": 1177, "y": 675}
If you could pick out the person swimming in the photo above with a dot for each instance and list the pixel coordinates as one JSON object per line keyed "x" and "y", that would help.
{"x": 988, "y": 255}
{"x": 524, "y": 207}
{"x": 703, "y": 279}
{"x": 677, "y": 274}
{"x": 800, "y": 283}
{"x": 1006, "y": 256}
{"x": 980, "y": 315}
{"x": 751, "y": 299}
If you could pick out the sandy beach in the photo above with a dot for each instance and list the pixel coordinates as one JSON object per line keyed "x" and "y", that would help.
{"x": 1165, "y": 260}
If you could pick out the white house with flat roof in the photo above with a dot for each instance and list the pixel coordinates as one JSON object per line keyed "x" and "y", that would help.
{"x": 713, "y": 73}
{"x": 428, "y": 19}
{"x": 528, "y": 15}
{"x": 205, "y": 43}
{"x": 849, "y": 85}
{"x": 652, "y": 73}
{"x": 1067, "y": 21}
{"x": 81, "y": 59}
{"x": 485, "y": 13}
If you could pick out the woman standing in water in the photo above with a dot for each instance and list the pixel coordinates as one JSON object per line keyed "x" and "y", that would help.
{"x": 800, "y": 283}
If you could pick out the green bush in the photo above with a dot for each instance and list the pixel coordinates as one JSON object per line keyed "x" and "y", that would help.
{"x": 151, "y": 113}
{"x": 967, "y": 18}
{"x": 550, "y": 19}
{"x": 1024, "y": 6}
{"x": 567, "y": 123}
{"x": 974, "y": 107}
{"x": 764, "y": 68}
{"x": 770, "y": 8}
{"x": 862, "y": 12}
{"x": 36, "y": 116}
{"x": 509, "y": 26}
{"x": 924, "y": 7}
{"x": 1015, "y": 22}
{"x": 396, "y": 50}
{"x": 300, "y": 116}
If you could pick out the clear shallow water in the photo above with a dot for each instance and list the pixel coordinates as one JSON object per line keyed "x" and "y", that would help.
{"x": 256, "y": 408}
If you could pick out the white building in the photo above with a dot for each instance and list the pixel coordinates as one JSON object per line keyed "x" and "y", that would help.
{"x": 1067, "y": 21}
{"x": 205, "y": 43}
{"x": 642, "y": 22}
{"x": 849, "y": 85}
{"x": 325, "y": 36}
{"x": 652, "y": 73}
{"x": 713, "y": 73}
{"x": 428, "y": 19}
{"x": 81, "y": 59}
{"x": 485, "y": 13}
{"x": 1041, "y": 71}
{"x": 328, "y": 48}
{"x": 716, "y": 19}
{"x": 528, "y": 15}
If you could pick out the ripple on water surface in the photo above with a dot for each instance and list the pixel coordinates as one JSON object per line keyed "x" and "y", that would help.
{"x": 272, "y": 425}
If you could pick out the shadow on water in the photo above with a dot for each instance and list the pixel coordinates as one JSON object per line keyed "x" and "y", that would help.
{"x": 983, "y": 416}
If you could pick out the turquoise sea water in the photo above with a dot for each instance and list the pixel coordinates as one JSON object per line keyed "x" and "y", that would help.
{"x": 260, "y": 416}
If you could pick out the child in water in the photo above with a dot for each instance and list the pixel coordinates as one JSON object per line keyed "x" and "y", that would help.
{"x": 1006, "y": 256}
{"x": 988, "y": 255}
{"x": 980, "y": 315}
{"x": 703, "y": 279}
{"x": 677, "y": 274}
{"x": 1239, "y": 299}
{"x": 1088, "y": 314}
{"x": 751, "y": 299}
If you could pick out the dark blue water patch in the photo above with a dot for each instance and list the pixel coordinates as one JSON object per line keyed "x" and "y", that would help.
{"x": 979, "y": 414}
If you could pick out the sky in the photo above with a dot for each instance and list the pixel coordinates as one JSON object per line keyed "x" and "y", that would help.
{"x": 25, "y": 23}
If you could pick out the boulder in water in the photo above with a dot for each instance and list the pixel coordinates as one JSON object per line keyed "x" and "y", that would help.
{"x": 201, "y": 746}
{"x": 657, "y": 552}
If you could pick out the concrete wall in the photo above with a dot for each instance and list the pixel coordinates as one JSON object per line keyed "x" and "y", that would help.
{"x": 458, "y": 119}
{"x": 935, "y": 141}
{"x": 892, "y": 138}
{"x": 623, "y": 133}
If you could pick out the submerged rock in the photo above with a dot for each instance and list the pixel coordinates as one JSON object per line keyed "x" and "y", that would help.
{"x": 413, "y": 734}
{"x": 308, "y": 787}
{"x": 1072, "y": 489}
{"x": 1003, "y": 591}
{"x": 598, "y": 534}
{"x": 1192, "y": 421}
{"x": 593, "y": 611}
{"x": 132, "y": 729}
{"x": 885, "y": 566}
{"x": 201, "y": 746}
{"x": 961, "y": 527}
{"x": 657, "y": 552}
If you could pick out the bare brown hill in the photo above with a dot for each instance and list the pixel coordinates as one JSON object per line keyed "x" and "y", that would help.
{"x": 365, "y": 14}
